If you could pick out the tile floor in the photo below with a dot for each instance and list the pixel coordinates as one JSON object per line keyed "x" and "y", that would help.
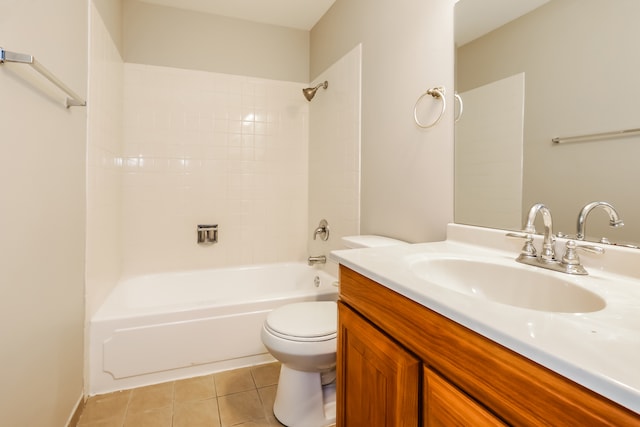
{"x": 243, "y": 397}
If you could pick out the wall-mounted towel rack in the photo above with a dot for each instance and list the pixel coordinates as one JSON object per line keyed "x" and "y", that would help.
{"x": 74, "y": 100}
{"x": 593, "y": 136}
{"x": 437, "y": 93}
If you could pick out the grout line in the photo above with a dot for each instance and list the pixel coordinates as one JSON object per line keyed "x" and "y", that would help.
{"x": 173, "y": 402}
{"x": 253, "y": 378}
{"x": 126, "y": 408}
{"x": 219, "y": 413}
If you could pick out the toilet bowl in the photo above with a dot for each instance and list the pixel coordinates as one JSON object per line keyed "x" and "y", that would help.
{"x": 303, "y": 337}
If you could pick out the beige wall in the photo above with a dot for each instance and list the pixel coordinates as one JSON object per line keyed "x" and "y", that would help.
{"x": 158, "y": 35}
{"x": 580, "y": 78}
{"x": 42, "y": 222}
{"x": 488, "y": 172}
{"x": 407, "y": 47}
{"x": 110, "y": 13}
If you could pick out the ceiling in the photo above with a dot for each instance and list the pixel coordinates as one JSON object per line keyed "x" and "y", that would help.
{"x": 476, "y": 18}
{"x": 473, "y": 18}
{"x": 300, "y": 14}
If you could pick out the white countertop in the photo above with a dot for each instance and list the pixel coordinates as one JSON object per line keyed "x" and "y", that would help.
{"x": 599, "y": 350}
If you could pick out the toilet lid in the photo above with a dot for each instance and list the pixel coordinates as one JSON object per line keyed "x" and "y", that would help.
{"x": 305, "y": 320}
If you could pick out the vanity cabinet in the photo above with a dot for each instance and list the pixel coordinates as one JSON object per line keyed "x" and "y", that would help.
{"x": 401, "y": 364}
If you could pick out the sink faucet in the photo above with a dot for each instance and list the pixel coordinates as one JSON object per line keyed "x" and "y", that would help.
{"x": 548, "y": 244}
{"x": 614, "y": 219}
{"x": 569, "y": 263}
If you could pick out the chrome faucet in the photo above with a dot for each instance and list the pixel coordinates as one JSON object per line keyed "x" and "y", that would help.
{"x": 614, "y": 219}
{"x": 549, "y": 242}
{"x": 322, "y": 230}
{"x": 569, "y": 263}
{"x": 320, "y": 259}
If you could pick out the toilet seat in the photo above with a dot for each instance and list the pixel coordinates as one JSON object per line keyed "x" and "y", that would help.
{"x": 304, "y": 322}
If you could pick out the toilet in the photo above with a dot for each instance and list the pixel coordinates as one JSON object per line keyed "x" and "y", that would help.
{"x": 303, "y": 337}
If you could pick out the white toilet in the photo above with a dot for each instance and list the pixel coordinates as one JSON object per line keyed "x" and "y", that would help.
{"x": 303, "y": 337}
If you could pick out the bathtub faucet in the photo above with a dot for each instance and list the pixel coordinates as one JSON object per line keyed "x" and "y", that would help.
{"x": 313, "y": 260}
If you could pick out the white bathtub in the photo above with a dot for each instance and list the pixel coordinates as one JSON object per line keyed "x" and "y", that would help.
{"x": 163, "y": 327}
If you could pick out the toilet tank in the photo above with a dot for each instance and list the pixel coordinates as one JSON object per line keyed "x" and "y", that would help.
{"x": 369, "y": 241}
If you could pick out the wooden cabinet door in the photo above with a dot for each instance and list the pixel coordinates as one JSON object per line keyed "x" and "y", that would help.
{"x": 377, "y": 380}
{"x": 444, "y": 405}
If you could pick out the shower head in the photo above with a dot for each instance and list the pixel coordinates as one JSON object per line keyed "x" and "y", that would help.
{"x": 310, "y": 92}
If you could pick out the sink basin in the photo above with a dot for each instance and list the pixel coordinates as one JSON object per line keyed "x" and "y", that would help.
{"x": 515, "y": 285}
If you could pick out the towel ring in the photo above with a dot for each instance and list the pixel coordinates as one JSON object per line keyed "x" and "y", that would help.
{"x": 459, "y": 98}
{"x": 438, "y": 93}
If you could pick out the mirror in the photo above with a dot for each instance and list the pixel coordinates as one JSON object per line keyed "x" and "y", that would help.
{"x": 576, "y": 64}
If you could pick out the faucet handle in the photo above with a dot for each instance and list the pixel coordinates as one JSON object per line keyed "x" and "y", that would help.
{"x": 571, "y": 257}
{"x": 518, "y": 235}
{"x": 323, "y": 230}
{"x": 528, "y": 250}
{"x": 591, "y": 248}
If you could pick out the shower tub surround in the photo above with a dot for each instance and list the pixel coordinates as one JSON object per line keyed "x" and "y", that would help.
{"x": 211, "y": 148}
{"x": 162, "y": 327}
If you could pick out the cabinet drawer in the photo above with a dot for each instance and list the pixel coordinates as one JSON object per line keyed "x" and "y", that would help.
{"x": 445, "y": 405}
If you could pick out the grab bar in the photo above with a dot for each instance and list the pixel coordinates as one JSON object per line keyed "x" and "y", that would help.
{"x": 618, "y": 133}
{"x": 74, "y": 100}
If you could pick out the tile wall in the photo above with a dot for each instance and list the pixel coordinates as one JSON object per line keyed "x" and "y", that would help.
{"x": 334, "y": 154}
{"x": 209, "y": 148}
{"x": 104, "y": 164}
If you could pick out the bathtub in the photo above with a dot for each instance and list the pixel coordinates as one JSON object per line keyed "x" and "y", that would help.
{"x": 163, "y": 327}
